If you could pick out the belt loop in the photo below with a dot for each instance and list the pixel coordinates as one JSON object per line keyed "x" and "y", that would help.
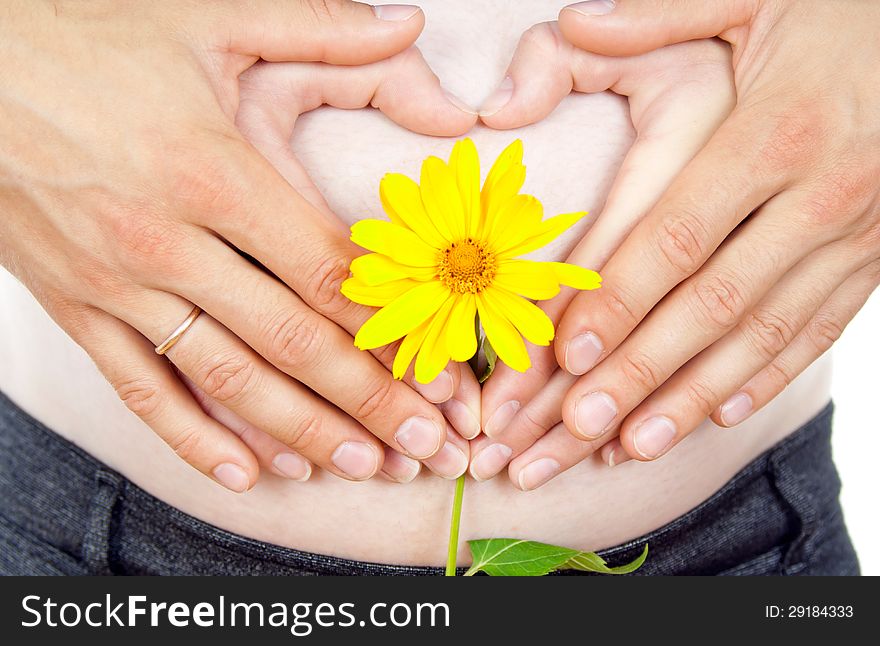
{"x": 805, "y": 477}
{"x": 96, "y": 542}
{"x": 796, "y": 492}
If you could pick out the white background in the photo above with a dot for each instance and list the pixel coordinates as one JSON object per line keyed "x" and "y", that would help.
{"x": 856, "y": 392}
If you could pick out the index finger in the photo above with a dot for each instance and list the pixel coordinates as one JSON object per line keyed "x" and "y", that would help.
{"x": 335, "y": 31}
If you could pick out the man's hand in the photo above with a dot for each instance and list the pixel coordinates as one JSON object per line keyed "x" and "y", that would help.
{"x": 764, "y": 247}
{"x": 128, "y": 191}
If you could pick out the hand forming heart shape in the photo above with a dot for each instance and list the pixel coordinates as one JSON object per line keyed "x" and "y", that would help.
{"x": 677, "y": 96}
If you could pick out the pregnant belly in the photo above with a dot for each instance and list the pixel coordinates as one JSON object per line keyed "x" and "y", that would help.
{"x": 589, "y": 507}
{"x": 572, "y": 158}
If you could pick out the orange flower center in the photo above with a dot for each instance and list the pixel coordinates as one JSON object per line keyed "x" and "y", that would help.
{"x": 466, "y": 267}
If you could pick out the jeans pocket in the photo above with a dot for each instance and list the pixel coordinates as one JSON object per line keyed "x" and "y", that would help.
{"x": 23, "y": 553}
{"x": 767, "y": 564}
{"x": 828, "y": 551}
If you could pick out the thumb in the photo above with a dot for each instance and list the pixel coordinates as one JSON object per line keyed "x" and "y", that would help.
{"x": 629, "y": 27}
{"x": 333, "y": 31}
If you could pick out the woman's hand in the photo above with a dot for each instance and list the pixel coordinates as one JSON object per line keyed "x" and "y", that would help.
{"x": 678, "y": 96}
{"x": 273, "y": 96}
{"x": 764, "y": 247}
{"x": 127, "y": 190}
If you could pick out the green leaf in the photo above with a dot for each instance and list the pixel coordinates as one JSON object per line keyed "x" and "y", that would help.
{"x": 516, "y": 557}
{"x": 592, "y": 562}
{"x": 491, "y": 358}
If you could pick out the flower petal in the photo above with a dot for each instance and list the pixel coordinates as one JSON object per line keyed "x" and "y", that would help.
{"x": 465, "y": 165}
{"x": 461, "y": 331}
{"x": 549, "y": 231}
{"x": 528, "y": 318}
{"x": 394, "y": 241}
{"x": 529, "y": 278}
{"x": 506, "y": 341}
{"x": 505, "y": 179}
{"x": 408, "y": 348}
{"x": 357, "y": 291}
{"x": 375, "y": 269}
{"x": 401, "y": 316}
{"x": 402, "y": 201}
{"x": 509, "y": 159}
{"x": 441, "y": 199}
{"x": 575, "y": 276}
{"x": 519, "y": 219}
{"x": 433, "y": 355}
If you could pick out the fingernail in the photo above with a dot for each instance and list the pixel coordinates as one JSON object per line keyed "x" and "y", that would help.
{"x": 502, "y": 417}
{"x": 537, "y": 473}
{"x": 462, "y": 418}
{"x": 593, "y": 7}
{"x": 498, "y": 99}
{"x": 356, "y": 459}
{"x": 439, "y": 390}
{"x": 395, "y": 12}
{"x": 419, "y": 437}
{"x": 593, "y": 415}
{"x": 653, "y": 436}
{"x": 582, "y": 353}
{"x": 736, "y": 409}
{"x": 449, "y": 462}
{"x": 400, "y": 468}
{"x": 490, "y": 461}
{"x": 292, "y": 466}
{"x": 610, "y": 460}
{"x": 458, "y": 103}
{"x": 232, "y": 476}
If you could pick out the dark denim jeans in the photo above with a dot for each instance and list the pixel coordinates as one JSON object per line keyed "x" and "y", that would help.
{"x": 64, "y": 512}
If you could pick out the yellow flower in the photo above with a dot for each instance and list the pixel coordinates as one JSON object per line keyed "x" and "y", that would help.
{"x": 449, "y": 252}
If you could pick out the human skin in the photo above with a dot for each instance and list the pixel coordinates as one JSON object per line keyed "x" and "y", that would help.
{"x": 573, "y": 157}
{"x": 760, "y": 252}
{"x": 125, "y": 182}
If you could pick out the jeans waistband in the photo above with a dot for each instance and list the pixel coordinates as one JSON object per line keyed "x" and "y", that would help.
{"x": 98, "y": 522}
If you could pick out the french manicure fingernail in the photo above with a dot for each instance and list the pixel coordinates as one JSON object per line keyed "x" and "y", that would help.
{"x": 582, "y": 353}
{"x": 419, "y": 436}
{"x": 395, "y": 12}
{"x": 736, "y": 409}
{"x": 437, "y": 391}
{"x": 535, "y": 474}
{"x": 232, "y": 476}
{"x": 462, "y": 418}
{"x": 355, "y": 459}
{"x": 292, "y": 466}
{"x": 593, "y": 415}
{"x": 653, "y": 436}
{"x": 400, "y": 468}
{"x": 502, "y": 417}
{"x": 593, "y": 7}
{"x": 458, "y": 103}
{"x": 490, "y": 461}
{"x": 498, "y": 99}
{"x": 449, "y": 462}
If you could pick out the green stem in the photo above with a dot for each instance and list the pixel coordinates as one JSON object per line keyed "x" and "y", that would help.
{"x": 454, "y": 526}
